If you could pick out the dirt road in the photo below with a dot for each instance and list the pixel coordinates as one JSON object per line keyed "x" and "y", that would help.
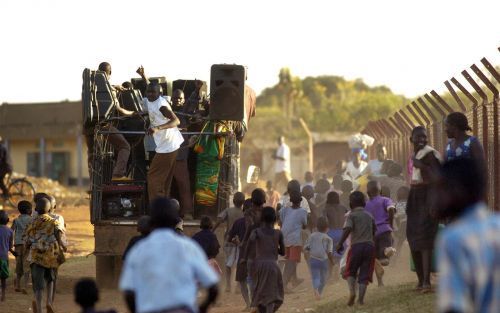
{"x": 80, "y": 235}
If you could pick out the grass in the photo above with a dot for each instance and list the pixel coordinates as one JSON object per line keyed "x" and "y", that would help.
{"x": 391, "y": 299}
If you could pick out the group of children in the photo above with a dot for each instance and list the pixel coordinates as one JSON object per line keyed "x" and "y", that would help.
{"x": 16, "y": 240}
{"x": 354, "y": 243}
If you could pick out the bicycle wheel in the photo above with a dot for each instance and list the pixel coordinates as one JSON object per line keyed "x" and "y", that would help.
{"x": 20, "y": 189}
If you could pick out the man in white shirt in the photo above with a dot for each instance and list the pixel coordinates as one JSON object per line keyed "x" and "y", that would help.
{"x": 282, "y": 165}
{"x": 168, "y": 139}
{"x": 162, "y": 272}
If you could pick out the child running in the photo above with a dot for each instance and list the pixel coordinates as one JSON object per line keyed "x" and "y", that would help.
{"x": 231, "y": 250}
{"x": 236, "y": 235}
{"x": 360, "y": 259}
{"x": 19, "y": 225}
{"x": 87, "y": 295}
{"x": 382, "y": 209}
{"x": 6, "y": 238}
{"x": 143, "y": 228}
{"x": 293, "y": 219}
{"x": 268, "y": 291}
{"x": 208, "y": 242}
{"x": 319, "y": 248}
{"x": 400, "y": 219}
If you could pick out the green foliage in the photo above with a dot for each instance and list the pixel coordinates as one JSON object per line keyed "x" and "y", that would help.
{"x": 326, "y": 103}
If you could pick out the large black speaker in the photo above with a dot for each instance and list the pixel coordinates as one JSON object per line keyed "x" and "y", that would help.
{"x": 227, "y": 92}
{"x": 188, "y": 86}
{"x": 139, "y": 84}
{"x": 98, "y": 99}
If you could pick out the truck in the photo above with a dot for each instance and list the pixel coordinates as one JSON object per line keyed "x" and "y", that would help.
{"x": 115, "y": 206}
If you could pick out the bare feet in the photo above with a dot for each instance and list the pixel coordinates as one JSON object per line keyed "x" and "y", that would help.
{"x": 352, "y": 298}
{"x": 317, "y": 296}
{"x": 33, "y": 307}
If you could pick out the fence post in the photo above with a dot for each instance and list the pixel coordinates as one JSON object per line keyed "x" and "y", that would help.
{"x": 407, "y": 119}
{"x": 455, "y": 96}
{"x": 419, "y": 111}
{"x": 492, "y": 158}
{"x": 417, "y": 118}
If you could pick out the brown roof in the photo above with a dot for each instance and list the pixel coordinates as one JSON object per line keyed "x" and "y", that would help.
{"x": 36, "y": 120}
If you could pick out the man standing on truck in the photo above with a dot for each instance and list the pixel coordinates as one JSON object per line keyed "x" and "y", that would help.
{"x": 181, "y": 172}
{"x": 168, "y": 139}
{"x": 118, "y": 141}
{"x": 5, "y": 168}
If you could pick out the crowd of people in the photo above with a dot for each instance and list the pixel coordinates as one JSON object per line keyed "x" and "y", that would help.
{"x": 348, "y": 228}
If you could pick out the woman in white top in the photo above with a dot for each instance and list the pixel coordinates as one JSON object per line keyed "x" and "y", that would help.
{"x": 356, "y": 166}
{"x": 168, "y": 139}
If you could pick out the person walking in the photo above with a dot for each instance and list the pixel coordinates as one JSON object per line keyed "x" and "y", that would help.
{"x": 422, "y": 227}
{"x": 282, "y": 168}
{"x": 268, "y": 293}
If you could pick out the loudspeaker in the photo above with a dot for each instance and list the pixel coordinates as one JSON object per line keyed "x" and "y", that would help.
{"x": 139, "y": 84}
{"x": 98, "y": 99}
{"x": 227, "y": 92}
{"x": 188, "y": 86}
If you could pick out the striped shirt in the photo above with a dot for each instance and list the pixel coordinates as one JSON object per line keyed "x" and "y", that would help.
{"x": 469, "y": 263}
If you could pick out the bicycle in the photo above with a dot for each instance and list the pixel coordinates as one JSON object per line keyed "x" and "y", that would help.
{"x": 20, "y": 188}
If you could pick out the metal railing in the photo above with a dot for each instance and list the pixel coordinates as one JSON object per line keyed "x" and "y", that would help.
{"x": 430, "y": 111}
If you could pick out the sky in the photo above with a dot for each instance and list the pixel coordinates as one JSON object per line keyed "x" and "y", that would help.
{"x": 410, "y": 46}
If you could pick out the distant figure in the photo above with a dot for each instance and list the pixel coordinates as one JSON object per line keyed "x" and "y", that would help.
{"x": 272, "y": 196}
{"x": 374, "y": 166}
{"x": 335, "y": 215}
{"x": 6, "y": 246}
{"x": 468, "y": 249}
{"x": 322, "y": 188}
{"x": 400, "y": 220}
{"x": 143, "y": 228}
{"x": 231, "y": 250}
{"x": 292, "y": 220}
{"x": 208, "y": 242}
{"x": 385, "y": 191}
{"x": 422, "y": 227}
{"x": 87, "y": 295}
{"x": 461, "y": 145}
{"x": 319, "y": 250}
{"x": 346, "y": 189}
{"x": 268, "y": 291}
{"x": 308, "y": 194}
{"x": 292, "y": 186}
{"x": 356, "y": 166}
{"x": 282, "y": 168}
{"x": 5, "y": 168}
{"x": 19, "y": 226}
{"x": 308, "y": 179}
{"x": 337, "y": 183}
{"x": 382, "y": 210}
{"x": 360, "y": 225}
{"x": 165, "y": 261}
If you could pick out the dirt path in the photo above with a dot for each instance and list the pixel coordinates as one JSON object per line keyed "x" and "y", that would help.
{"x": 80, "y": 235}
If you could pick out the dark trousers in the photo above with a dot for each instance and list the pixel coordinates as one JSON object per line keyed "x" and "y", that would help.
{"x": 120, "y": 146}
{"x": 423, "y": 265}
{"x": 181, "y": 176}
{"x": 160, "y": 174}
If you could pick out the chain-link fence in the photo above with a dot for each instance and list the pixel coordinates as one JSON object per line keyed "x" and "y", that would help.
{"x": 481, "y": 109}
